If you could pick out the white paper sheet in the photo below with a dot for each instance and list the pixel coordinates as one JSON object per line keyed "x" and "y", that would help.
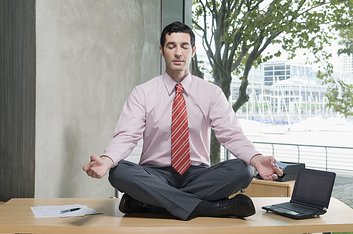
{"x": 55, "y": 211}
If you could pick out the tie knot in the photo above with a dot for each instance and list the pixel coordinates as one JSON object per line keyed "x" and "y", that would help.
{"x": 179, "y": 88}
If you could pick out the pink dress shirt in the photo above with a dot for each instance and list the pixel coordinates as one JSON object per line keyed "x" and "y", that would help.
{"x": 147, "y": 114}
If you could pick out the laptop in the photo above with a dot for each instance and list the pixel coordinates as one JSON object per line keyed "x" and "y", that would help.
{"x": 311, "y": 195}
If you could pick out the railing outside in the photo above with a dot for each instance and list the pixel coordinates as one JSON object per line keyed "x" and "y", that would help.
{"x": 329, "y": 158}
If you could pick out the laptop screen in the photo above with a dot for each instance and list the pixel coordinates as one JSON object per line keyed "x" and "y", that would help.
{"x": 313, "y": 187}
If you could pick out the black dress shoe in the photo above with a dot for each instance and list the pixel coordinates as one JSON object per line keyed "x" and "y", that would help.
{"x": 130, "y": 205}
{"x": 240, "y": 206}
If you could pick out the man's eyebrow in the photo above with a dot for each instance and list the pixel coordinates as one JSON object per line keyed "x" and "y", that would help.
{"x": 170, "y": 43}
{"x": 173, "y": 43}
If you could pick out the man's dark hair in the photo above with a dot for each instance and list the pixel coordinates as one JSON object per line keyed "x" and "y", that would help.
{"x": 177, "y": 27}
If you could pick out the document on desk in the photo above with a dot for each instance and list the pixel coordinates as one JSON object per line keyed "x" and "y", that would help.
{"x": 62, "y": 211}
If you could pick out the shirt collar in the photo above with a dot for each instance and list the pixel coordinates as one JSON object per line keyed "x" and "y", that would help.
{"x": 170, "y": 83}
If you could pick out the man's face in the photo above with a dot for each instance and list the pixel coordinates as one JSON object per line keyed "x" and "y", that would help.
{"x": 177, "y": 53}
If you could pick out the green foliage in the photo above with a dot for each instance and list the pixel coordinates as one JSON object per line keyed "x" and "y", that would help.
{"x": 340, "y": 96}
{"x": 347, "y": 42}
{"x": 346, "y": 35}
{"x": 235, "y": 34}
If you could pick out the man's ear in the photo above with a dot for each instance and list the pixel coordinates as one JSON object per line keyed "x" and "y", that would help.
{"x": 193, "y": 51}
{"x": 161, "y": 50}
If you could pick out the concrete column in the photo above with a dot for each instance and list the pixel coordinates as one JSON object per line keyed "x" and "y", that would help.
{"x": 17, "y": 98}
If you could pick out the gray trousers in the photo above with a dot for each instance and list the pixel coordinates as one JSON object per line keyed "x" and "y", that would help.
{"x": 180, "y": 194}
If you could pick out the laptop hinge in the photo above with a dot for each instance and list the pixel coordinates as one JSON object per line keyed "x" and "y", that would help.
{"x": 305, "y": 204}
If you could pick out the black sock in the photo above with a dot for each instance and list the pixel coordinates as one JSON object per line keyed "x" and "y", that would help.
{"x": 205, "y": 208}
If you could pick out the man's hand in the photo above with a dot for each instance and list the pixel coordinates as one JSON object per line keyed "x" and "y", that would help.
{"x": 266, "y": 166}
{"x": 98, "y": 166}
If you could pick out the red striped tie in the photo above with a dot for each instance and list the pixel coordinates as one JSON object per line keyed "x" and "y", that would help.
{"x": 180, "y": 133}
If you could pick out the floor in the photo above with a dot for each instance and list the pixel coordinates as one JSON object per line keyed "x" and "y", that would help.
{"x": 343, "y": 189}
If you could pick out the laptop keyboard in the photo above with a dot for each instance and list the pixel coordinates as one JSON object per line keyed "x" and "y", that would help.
{"x": 295, "y": 207}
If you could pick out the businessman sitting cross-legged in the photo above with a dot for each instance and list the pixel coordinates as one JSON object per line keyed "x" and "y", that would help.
{"x": 174, "y": 114}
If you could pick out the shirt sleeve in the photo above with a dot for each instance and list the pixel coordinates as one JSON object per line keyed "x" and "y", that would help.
{"x": 227, "y": 128}
{"x": 130, "y": 127}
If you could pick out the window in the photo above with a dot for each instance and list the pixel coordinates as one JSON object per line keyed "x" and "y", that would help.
{"x": 281, "y": 67}
{"x": 279, "y": 73}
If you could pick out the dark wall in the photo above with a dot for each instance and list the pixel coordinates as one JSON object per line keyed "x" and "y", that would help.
{"x": 17, "y": 98}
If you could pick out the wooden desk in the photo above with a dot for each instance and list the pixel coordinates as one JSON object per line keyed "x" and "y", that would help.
{"x": 17, "y": 217}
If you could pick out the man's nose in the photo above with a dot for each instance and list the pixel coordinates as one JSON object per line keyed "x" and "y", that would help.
{"x": 178, "y": 52}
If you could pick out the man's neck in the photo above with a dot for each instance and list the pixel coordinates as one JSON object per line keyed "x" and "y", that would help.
{"x": 177, "y": 76}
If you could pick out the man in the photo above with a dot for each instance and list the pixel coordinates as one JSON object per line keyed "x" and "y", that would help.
{"x": 174, "y": 113}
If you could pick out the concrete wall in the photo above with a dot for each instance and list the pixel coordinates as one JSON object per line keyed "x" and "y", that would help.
{"x": 90, "y": 55}
{"x": 66, "y": 69}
